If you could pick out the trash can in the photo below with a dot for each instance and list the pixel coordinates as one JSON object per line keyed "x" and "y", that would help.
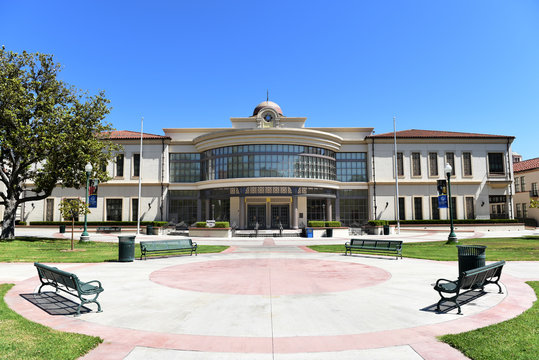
{"x": 126, "y": 248}
{"x": 309, "y": 232}
{"x": 386, "y": 229}
{"x": 62, "y": 229}
{"x": 329, "y": 232}
{"x": 471, "y": 257}
{"x": 149, "y": 229}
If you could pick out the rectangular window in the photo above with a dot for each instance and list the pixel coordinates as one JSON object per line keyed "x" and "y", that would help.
{"x": 534, "y": 191}
{"x": 467, "y": 163}
{"x": 418, "y": 208}
{"x": 517, "y": 184}
{"x": 524, "y": 210}
{"x": 495, "y": 164}
{"x": 49, "y": 212}
{"x": 350, "y": 167}
{"x": 186, "y": 167}
{"x": 416, "y": 164}
{"x": 498, "y": 208}
{"x": 402, "y": 209}
{"x": 136, "y": 165}
{"x": 522, "y": 184}
{"x": 454, "y": 207}
{"x": 433, "y": 164}
{"x": 519, "y": 211}
{"x": 400, "y": 164}
{"x": 114, "y": 209}
{"x": 120, "y": 165}
{"x": 434, "y": 208}
{"x": 134, "y": 209}
{"x": 450, "y": 159}
{"x": 470, "y": 208}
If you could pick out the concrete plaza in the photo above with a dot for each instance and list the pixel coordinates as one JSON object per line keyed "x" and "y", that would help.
{"x": 273, "y": 298}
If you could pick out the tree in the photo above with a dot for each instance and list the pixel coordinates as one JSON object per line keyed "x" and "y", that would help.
{"x": 71, "y": 209}
{"x": 534, "y": 203}
{"x": 48, "y": 131}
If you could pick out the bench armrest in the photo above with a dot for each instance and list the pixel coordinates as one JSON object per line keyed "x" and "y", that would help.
{"x": 94, "y": 281}
{"x": 447, "y": 281}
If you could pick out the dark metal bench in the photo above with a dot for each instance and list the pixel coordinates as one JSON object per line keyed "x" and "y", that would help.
{"x": 471, "y": 279}
{"x": 69, "y": 283}
{"x": 374, "y": 246}
{"x": 108, "y": 229}
{"x": 167, "y": 246}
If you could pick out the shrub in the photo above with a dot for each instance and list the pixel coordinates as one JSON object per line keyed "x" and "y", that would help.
{"x": 222, "y": 224}
{"x": 378, "y": 222}
{"x": 200, "y": 224}
{"x": 333, "y": 223}
{"x": 316, "y": 223}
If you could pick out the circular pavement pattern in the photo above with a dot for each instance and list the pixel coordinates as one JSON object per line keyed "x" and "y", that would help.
{"x": 270, "y": 276}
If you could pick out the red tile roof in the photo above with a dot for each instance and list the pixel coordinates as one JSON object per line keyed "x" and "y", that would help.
{"x": 130, "y": 135}
{"x": 526, "y": 165}
{"x": 419, "y": 134}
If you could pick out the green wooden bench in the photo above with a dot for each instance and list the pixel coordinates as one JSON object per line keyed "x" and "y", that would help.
{"x": 374, "y": 246}
{"x": 472, "y": 279}
{"x": 167, "y": 246}
{"x": 108, "y": 229}
{"x": 69, "y": 283}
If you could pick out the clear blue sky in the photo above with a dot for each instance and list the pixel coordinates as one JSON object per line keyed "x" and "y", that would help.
{"x": 470, "y": 66}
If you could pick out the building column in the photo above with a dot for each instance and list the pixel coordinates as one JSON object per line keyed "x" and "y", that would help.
{"x": 207, "y": 208}
{"x": 199, "y": 209}
{"x": 295, "y": 212}
{"x": 338, "y": 208}
{"x": 242, "y": 208}
{"x": 328, "y": 210}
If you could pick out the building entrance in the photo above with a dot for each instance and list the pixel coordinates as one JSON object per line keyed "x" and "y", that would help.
{"x": 280, "y": 216}
{"x": 256, "y": 213}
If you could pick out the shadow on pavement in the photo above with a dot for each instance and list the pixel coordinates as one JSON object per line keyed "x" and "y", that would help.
{"x": 54, "y": 304}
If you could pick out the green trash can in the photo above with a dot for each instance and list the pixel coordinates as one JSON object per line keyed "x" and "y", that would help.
{"x": 329, "y": 232}
{"x": 386, "y": 229}
{"x": 126, "y": 248}
{"x": 149, "y": 229}
{"x": 471, "y": 257}
{"x": 62, "y": 229}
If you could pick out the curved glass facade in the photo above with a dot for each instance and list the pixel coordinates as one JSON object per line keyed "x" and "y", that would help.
{"x": 268, "y": 160}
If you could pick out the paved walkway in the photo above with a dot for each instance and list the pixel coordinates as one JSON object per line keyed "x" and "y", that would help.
{"x": 272, "y": 299}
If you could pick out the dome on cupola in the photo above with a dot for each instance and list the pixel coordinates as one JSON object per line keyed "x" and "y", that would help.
{"x": 267, "y": 104}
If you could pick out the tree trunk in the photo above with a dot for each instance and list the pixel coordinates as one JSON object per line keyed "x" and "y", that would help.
{"x": 8, "y": 225}
{"x": 72, "y": 230}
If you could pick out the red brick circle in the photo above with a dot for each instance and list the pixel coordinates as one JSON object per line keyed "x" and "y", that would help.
{"x": 269, "y": 276}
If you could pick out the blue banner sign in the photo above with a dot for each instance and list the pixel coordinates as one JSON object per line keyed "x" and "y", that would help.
{"x": 442, "y": 202}
{"x": 92, "y": 201}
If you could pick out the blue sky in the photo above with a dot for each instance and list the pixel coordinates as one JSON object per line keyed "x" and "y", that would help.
{"x": 470, "y": 66}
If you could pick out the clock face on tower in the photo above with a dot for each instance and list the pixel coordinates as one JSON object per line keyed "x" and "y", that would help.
{"x": 268, "y": 117}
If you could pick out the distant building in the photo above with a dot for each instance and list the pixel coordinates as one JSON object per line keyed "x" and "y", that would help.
{"x": 271, "y": 170}
{"x": 526, "y": 180}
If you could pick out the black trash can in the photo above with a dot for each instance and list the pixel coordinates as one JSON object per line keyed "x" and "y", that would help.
{"x": 329, "y": 232}
{"x": 126, "y": 248}
{"x": 149, "y": 229}
{"x": 62, "y": 229}
{"x": 471, "y": 257}
{"x": 386, "y": 229}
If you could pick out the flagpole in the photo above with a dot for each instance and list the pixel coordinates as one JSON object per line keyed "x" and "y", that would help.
{"x": 139, "y": 178}
{"x": 397, "y": 210}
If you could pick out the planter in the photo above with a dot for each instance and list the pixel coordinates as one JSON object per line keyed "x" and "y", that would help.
{"x": 155, "y": 230}
{"x": 211, "y": 232}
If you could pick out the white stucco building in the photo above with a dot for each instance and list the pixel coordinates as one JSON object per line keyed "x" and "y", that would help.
{"x": 271, "y": 169}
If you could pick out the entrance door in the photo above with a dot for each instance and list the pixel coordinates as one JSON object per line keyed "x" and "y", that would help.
{"x": 280, "y": 214}
{"x": 256, "y": 213}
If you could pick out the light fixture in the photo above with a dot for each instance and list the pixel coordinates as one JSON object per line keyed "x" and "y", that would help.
{"x": 452, "y": 238}
{"x": 448, "y": 170}
{"x": 149, "y": 205}
{"x": 482, "y": 203}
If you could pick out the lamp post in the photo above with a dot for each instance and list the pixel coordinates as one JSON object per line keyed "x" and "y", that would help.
{"x": 84, "y": 236}
{"x": 452, "y": 238}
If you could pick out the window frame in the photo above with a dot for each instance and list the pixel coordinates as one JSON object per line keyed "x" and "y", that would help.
{"x": 400, "y": 164}
{"x": 433, "y": 166}
{"x": 450, "y": 159}
{"x": 119, "y": 166}
{"x": 464, "y": 161}
{"x": 106, "y": 212}
{"x": 416, "y": 157}
{"x": 134, "y": 165}
{"x": 490, "y": 156}
{"x": 420, "y": 203}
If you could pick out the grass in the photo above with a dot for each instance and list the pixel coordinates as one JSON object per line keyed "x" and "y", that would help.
{"x": 23, "y": 339}
{"x": 31, "y": 249}
{"x": 516, "y": 339}
{"x": 510, "y": 249}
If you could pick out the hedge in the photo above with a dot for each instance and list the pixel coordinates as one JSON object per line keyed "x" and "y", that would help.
{"x": 318, "y": 223}
{"x": 455, "y": 221}
{"x": 218, "y": 224}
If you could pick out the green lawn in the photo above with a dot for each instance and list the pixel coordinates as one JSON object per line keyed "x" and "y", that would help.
{"x": 511, "y": 249}
{"x": 23, "y": 339}
{"x": 516, "y": 339}
{"x": 31, "y": 249}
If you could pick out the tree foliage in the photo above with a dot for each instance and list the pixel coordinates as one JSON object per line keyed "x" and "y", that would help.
{"x": 48, "y": 131}
{"x": 534, "y": 203}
